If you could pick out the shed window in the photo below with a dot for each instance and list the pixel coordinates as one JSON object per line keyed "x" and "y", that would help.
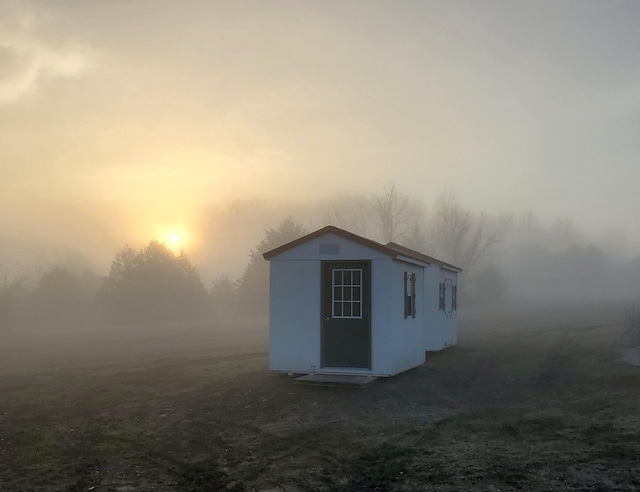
{"x": 442, "y": 304}
{"x": 454, "y": 297}
{"x": 346, "y": 297}
{"x": 409, "y": 295}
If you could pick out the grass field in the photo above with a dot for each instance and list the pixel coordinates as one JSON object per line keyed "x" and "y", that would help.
{"x": 536, "y": 399}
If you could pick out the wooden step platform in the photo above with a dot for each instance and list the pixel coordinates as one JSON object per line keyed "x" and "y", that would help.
{"x": 336, "y": 380}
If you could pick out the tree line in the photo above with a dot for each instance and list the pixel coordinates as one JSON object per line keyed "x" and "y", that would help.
{"x": 143, "y": 286}
{"x": 503, "y": 258}
{"x": 148, "y": 285}
{"x": 507, "y": 259}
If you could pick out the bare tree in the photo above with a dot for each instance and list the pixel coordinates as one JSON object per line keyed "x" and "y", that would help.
{"x": 463, "y": 238}
{"x": 417, "y": 238}
{"x": 12, "y": 277}
{"x": 351, "y": 212}
{"x": 398, "y": 214}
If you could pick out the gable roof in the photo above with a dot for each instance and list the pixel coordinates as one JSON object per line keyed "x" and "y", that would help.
{"x": 391, "y": 249}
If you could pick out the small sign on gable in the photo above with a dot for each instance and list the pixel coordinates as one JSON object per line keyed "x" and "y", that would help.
{"x": 329, "y": 249}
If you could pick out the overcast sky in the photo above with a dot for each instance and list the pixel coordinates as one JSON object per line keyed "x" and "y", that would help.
{"x": 118, "y": 118}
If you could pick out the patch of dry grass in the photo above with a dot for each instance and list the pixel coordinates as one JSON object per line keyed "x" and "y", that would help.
{"x": 194, "y": 408}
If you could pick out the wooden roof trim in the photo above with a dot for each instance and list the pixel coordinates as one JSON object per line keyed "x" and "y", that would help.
{"x": 331, "y": 230}
{"x": 427, "y": 259}
{"x": 391, "y": 249}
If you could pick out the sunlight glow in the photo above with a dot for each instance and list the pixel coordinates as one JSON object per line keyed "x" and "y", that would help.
{"x": 174, "y": 236}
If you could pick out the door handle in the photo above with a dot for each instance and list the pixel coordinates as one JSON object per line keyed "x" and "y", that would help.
{"x": 327, "y": 318}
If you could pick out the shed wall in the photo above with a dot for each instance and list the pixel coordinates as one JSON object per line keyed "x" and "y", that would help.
{"x": 397, "y": 344}
{"x": 441, "y": 326}
{"x": 295, "y": 314}
{"x": 405, "y": 340}
{"x": 450, "y": 321}
{"x": 381, "y": 302}
{"x": 294, "y": 318}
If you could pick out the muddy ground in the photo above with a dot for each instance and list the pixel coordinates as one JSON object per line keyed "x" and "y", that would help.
{"x": 536, "y": 399}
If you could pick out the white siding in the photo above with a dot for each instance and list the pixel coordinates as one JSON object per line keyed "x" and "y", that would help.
{"x": 432, "y": 335}
{"x": 442, "y": 329}
{"x": 294, "y": 319}
{"x": 381, "y": 302}
{"x": 405, "y": 341}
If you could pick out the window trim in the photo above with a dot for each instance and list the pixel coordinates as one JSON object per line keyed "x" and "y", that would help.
{"x": 454, "y": 297}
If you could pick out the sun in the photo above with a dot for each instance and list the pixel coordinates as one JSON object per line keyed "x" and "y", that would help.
{"x": 174, "y": 240}
{"x": 174, "y": 236}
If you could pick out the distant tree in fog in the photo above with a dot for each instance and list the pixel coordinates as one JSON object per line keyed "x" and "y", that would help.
{"x": 223, "y": 295}
{"x": 12, "y": 277}
{"x": 398, "y": 214}
{"x": 416, "y": 239}
{"x": 62, "y": 296}
{"x": 253, "y": 286}
{"x": 13, "y": 291}
{"x": 577, "y": 271}
{"x": 631, "y": 279}
{"x": 489, "y": 285}
{"x": 152, "y": 284}
{"x": 461, "y": 237}
{"x": 580, "y": 270}
{"x": 557, "y": 236}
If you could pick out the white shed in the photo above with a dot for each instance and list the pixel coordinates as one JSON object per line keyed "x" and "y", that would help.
{"x": 344, "y": 304}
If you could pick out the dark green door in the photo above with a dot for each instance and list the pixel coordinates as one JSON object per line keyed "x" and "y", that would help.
{"x": 346, "y": 314}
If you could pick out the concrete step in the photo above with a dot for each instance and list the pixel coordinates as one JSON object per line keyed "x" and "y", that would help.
{"x": 336, "y": 380}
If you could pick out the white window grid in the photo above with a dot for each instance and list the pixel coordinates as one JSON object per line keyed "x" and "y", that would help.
{"x": 346, "y": 293}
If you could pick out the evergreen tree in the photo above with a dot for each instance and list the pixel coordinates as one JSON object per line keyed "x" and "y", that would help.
{"x": 152, "y": 284}
{"x": 223, "y": 295}
{"x": 253, "y": 286}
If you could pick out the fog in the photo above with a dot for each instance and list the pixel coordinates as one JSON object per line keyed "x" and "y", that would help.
{"x": 152, "y": 150}
{"x": 202, "y": 127}
{"x": 507, "y": 260}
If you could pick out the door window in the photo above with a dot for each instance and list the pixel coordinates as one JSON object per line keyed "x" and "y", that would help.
{"x": 346, "y": 299}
